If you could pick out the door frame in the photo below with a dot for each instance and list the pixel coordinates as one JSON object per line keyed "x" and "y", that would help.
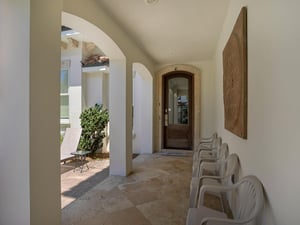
{"x": 158, "y": 100}
{"x": 190, "y": 77}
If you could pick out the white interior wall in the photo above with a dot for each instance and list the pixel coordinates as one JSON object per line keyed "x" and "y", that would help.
{"x": 271, "y": 150}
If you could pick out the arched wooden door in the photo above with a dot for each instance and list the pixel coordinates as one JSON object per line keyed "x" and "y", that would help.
{"x": 177, "y": 110}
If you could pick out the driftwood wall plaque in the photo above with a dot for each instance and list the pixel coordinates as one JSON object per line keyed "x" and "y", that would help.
{"x": 235, "y": 77}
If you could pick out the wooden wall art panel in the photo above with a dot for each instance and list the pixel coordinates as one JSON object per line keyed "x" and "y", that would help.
{"x": 235, "y": 78}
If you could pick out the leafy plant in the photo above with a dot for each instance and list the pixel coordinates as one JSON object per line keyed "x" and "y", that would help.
{"x": 93, "y": 123}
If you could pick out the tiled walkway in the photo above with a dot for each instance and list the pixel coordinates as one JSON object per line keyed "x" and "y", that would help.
{"x": 156, "y": 193}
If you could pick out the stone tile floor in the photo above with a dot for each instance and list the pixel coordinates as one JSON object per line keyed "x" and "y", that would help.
{"x": 75, "y": 184}
{"x": 156, "y": 193}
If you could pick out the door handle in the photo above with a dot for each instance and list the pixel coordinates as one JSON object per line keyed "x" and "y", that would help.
{"x": 166, "y": 117}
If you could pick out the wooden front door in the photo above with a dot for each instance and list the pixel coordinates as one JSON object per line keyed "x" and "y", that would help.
{"x": 177, "y": 110}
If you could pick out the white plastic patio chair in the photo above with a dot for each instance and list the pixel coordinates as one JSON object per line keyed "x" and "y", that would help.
{"x": 212, "y": 149}
{"x": 221, "y": 153}
{"x": 208, "y": 140}
{"x": 246, "y": 197}
{"x": 225, "y": 176}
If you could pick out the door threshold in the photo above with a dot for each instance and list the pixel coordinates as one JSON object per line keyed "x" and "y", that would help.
{"x": 176, "y": 152}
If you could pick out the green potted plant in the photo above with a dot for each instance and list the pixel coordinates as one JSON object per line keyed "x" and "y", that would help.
{"x": 93, "y": 122}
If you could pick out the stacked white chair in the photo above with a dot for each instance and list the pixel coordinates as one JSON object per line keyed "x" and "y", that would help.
{"x": 206, "y": 143}
{"x": 215, "y": 155}
{"x": 247, "y": 199}
{"x": 226, "y": 175}
{"x": 208, "y": 140}
{"x": 207, "y": 150}
{"x": 215, "y": 179}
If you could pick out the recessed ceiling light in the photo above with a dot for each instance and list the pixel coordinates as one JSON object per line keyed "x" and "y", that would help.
{"x": 151, "y": 2}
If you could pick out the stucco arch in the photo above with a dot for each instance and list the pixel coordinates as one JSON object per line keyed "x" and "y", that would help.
{"x": 94, "y": 34}
{"x": 120, "y": 93}
{"x": 158, "y": 101}
{"x": 142, "y": 70}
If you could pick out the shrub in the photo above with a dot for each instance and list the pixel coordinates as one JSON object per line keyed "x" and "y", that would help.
{"x": 93, "y": 123}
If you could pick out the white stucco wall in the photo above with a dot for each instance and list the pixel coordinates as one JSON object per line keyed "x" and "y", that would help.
{"x": 74, "y": 56}
{"x": 271, "y": 150}
{"x": 142, "y": 113}
{"x": 207, "y": 97}
{"x": 75, "y": 105}
{"x": 95, "y": 89}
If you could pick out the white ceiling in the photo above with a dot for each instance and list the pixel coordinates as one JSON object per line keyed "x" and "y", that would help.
{"x": 171, "y": 31}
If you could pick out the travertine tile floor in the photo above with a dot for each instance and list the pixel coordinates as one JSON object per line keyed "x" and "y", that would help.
{"x": 156, "y": 193}
{"x": 75, "y": 184}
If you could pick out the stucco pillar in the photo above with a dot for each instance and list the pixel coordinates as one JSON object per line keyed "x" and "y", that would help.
{"x": 45, "y": 23}
{"x": 29, "y": 95}
{"x": 14, "y": 112}
{"x": 120, "y": 113}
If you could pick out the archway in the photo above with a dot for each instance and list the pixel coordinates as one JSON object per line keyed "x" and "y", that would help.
{"x": 119, "y": 92}
{"x": 95, "y": 34}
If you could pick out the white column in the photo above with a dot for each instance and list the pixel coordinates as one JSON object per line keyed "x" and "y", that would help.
{"x": 29, "y": 114}
{"x": 45, "y": 23}
{"x": 120, "y": 113}
{"x": 14, "y": 112}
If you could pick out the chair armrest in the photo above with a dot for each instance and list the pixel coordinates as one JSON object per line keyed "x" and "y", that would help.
{"x": 209, "y": 177}
{"x": 226, "y": 221}
{"x": 207, "y": 153}
{"x": 207, "y": 159}
{"x": 212, "y": 177}
{"x": 197, "y": 153}
{"x": 198, "y": 184}
{"x": 213, "y": 188}
{"x": 206, "y": 139}
{"x": 249, "y": 202}
{"x": 199, "y": 150}
{"x": 214, "y": 165}
{"x": 206, "y": 220}
{"x": 206, "y": 148}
